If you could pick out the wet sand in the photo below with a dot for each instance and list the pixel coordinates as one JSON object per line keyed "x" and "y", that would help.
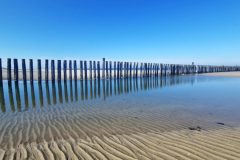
{"x": 82, "y": 131}
{"x": 175, "y": 145}
{"x": 223, "y": 74}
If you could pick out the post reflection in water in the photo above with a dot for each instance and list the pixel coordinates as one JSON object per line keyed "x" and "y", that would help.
{"x": 2, "y": 99}
{"x": 89, "y": 89}
{"x": 25, "y": 94}
{"x": 33, "y": 94}
{"x": 91, "y": 94}
{"x": 54, "y": 93}
{"x": 76, "y": 90}
{"x": 82, "y": 91}
{"x": 48, "y": 94}
{"x": 60, "y": 92}
{"x": 40, "y": 93}
{"x": 86, "y": 89}
{"x": 71, "y": 91}
{"x": 65, "y": 91}
{"x": 18, "y": 98}
{"x": 10, "y": 94}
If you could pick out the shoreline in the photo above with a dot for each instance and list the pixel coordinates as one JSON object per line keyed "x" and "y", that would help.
{"x": 224, "y": 74}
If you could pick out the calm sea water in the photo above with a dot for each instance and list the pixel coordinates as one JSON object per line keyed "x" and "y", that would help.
{"x": 216, "y": 97}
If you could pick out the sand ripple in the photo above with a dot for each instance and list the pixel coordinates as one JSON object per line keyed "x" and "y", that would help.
{"x": 81, "y": 131}
{"x": 172, "y": 145}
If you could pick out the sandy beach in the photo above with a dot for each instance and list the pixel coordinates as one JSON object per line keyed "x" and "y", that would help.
{"x": 224, "y": 74}
{"x": 184, "y": 144}
{"x": 87, "y": 132}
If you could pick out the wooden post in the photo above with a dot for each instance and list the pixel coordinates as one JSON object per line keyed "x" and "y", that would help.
{"x": 24, "y": 72}
{"x": 118, "y": 65}
{"x": 70, "y": 70}
{"x": 114, "y": 69}
{"x": 161, "y": 65}
{"x": 147, "y": 69}
{"x": 130, "y": 69}
{"x": 1, "y": 79}
{"x": 9, "y": 68}
{"x": 98, "y": 70}
{"x": 46, "y": 71}
{"x": 39, "y": 71}
{"x": 15, "y": 62}
{"x": 125, "y": 69}
{"x": 31, "y": 70}
{"x": 65, "y": 70}
{"x": 75, "y": 70}
{"x": 121, "y": 69}
{"x": 110, "y": 70}
{"x": 81, "y": 70}
{"x": 53, "y": 70}
{"x": 85, "y": 70}
{"x": 59, "y": 70}
{"x": 107, "y": 70}
{"x": 94, "y": 70}
{"x": 141, "y": 74}
{"x": 103, "y": 68}
{"x": 90, "y": 70}
{"x": 136, "y": 70}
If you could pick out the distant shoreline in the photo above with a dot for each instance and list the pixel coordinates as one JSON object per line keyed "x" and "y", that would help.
{"x": 224, "y": 74}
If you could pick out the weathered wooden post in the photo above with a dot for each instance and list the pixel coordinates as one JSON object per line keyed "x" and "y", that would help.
{"x": 39, "y": 71}
{"x": 98, "y": 70}
{"x": 90, "y": 70}
{"x": 31, "y": 70}
{"x": 118, "y": 65}
{"x": 9, "y": 68}
{"x": 65, "y": 70}
{"x": 70, "y": 70}
{"x": 130, "y": 69}
{"x": 110, "y": 70}
{"x": 15, "y": 62}
{"x": 59, "y": 70}
{"x": 94, "y": 70}
{"x": 24, "y": 72}
{"x": 103, "y": 68}
{"x": 81, "y": 70}
{"x": 124, "y": 69}
{"x": 161, "y": 65}
{"x": 148, "y": 69}
{"x": 46, "y": 71}
{"x": 85, "y": 70}
{"x": 1, "y": 79}
{"x": 151, "y": 69}
{"x": 53, "y": 70}
{"x": 127, "y": 65}
{"x": 121, "y": 69}
{"x": 114, "y": 69}
{"x": 165, "y": 70}
{"x": 107, "y": 70}
{"x": 75, "y": 70}
{"x": 157, "y": 69}
{"x": 136, "y": 70}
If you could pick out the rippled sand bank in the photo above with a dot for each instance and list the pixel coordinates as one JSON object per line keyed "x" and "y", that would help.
{"x": 183, "y": 144}
{"x": 82, "y": 131}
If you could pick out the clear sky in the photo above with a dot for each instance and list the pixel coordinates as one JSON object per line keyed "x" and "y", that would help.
{"x": 167, "y": 31}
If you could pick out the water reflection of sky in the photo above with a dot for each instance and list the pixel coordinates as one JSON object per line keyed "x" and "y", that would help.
{"x": 203, "y": 94}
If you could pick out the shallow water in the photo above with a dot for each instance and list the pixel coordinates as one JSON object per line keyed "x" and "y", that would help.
{"x": 83, "y": 109}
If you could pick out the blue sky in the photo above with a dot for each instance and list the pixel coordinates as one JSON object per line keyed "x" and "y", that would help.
{"x": 169, "y": 31}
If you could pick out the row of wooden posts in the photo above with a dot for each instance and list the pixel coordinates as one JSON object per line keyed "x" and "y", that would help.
{"x": 108, "y": 69}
